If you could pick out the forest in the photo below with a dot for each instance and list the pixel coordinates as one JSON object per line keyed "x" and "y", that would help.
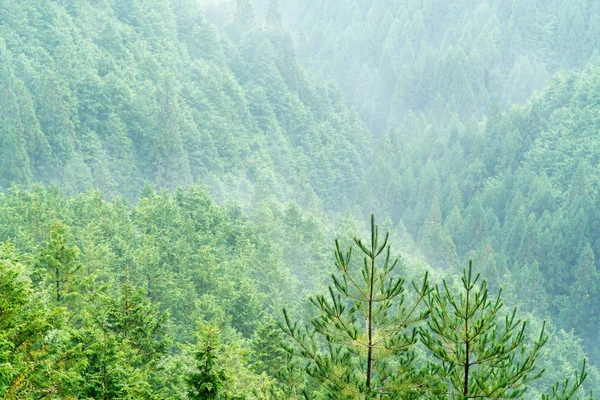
{"x": 277, "y": 199}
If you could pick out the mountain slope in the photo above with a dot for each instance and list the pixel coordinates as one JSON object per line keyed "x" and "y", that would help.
{"x": 517, "y": 192}
{"x": 438, "y": 57}
{"x": 110, "y": 94}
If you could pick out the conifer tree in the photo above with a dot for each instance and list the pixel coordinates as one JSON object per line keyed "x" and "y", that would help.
{"x": 14, "y": 160}
{"x": 60, "y": 260}
{"x": 25, "y": 321}
{"x": 268, "y": 354}
{"x": 478, "y": 356}
{"x": 360, "y": 344}
{"x": 208, "y": 382}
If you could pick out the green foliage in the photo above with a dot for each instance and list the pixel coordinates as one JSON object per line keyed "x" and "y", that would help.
{"x": 60, "y": 261}
{"x": 130, "y": 293}
{"x": 208, "y": 382}
{"x": 361, "y": 341}
{"x": 516, "y": 189}
{"x": 268, "y": 354}
{"x": 157, "y": 91}
{"x": 109, "y": 94}
{"x": 25, "y": 320}
{"x": 132, "y": 283}
{"x": 479, "y": 356}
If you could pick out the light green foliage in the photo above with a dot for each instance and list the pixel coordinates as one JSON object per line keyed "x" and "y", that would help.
{"x": 25, "y": 320}
{"x": 209, "y": 381}
{"x": 132, "y": 283}
{"x": 479, "y": 355}
{"x": 360, "y": 344}
{"x": 130, "y": 294}
{"x": 60, "y": 262}
{"x": 268, "y": 353}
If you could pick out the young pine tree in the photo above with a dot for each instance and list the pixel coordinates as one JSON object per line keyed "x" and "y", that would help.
{"x": 360, "y": 344}
{"x": 478, "y": 355}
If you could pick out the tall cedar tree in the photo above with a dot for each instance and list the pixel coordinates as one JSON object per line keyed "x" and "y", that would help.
{"x": 208, "y": 381}
{"x": 60, "y": 260}
{"x": 360, "y": 345}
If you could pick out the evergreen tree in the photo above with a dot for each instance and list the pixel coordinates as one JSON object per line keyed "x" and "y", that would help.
{"x": 361, "y": 343}
{"x": 14, "y": 160}
{"x": 25, "y": 321}
{"x": 124, "y": 337}
{"x": 208, "y": 382}
{"x": 60, "y": 260}
{"x": 477, "y": 355}
{"x": 268, "y": 353}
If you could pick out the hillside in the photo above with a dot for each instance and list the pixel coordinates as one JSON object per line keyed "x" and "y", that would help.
{"x": 470, "y": 160}
{"x": 175, "y": 173}
{"x": 111, "y": 94}
{"x": 517, "y": 192}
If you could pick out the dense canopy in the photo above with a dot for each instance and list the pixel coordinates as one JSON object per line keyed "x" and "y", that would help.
{"x": 186, "y": 187}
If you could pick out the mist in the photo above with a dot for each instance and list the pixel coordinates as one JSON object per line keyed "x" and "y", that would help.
{"x": 276, "y": 199}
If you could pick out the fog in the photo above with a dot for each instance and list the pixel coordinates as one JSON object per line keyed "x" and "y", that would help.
{"x": 175, "y": 173}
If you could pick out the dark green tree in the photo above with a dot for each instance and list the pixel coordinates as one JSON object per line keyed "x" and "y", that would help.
{"x": 208, "y": 382}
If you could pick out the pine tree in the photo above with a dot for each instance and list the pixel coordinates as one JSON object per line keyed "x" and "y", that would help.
{"x": 14, "y": 160}
{"x": 125, "y": 338}
{"x": 268, "y": 354}
{"x": 478, "y": 356}
{"x": 360, "y": 344}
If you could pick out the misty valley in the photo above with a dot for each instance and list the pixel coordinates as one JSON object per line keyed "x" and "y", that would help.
{"x": 299, "y": 199}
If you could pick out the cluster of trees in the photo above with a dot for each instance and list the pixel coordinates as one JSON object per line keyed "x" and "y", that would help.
{"x": 362, "y": 343}
{"x": 131, "y": 292}
{"x": 151, "y": 90}
{"x": 437, "y": 57}
{"x": 516, "y": 193}
{"x": 178, "y": 298}
{"x": 105, "y": 300}
{"x": 457, "y": 165}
